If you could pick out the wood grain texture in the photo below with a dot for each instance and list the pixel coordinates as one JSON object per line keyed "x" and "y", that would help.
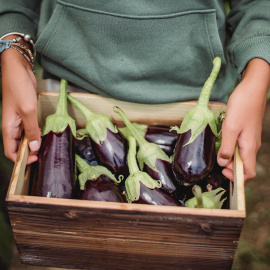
{"x": 100, "y": 238}
{"x": 110, "y": 236}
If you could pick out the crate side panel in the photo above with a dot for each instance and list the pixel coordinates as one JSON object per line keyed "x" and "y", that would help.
{"x": 19, "y": 180}
{"x": 58, "y": 236}
{"x": 237, "y": 189}
{"x": 107, "y": 254}
{"x": 141, "y": 113}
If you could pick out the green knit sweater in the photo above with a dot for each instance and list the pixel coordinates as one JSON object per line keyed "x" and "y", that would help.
{"x": 146, "y": 51}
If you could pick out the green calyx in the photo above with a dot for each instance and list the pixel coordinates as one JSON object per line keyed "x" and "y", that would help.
{"x": 209, "y": 199}
{"x": 136, "y": 176}
{"x": 219, "y": 121}
{"x": 197, "y": 118}
{"x": 91, "y": 173}
{"x": 148, "y": 152}
{"x": 140, "y": 128}
{"x": 96, "y": 123}
{"x": 58, "y": 121}
{"x": 82, "y": 133}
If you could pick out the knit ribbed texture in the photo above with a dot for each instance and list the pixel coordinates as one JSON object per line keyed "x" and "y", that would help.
{"x": 146, "y": 51}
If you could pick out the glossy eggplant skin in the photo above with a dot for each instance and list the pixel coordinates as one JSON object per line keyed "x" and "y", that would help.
{"x": 102, "y": 189}
{"x": 56, "y": 166}
{"x": 193, "y": 162}
{"x": 166, "y": 176}
{"x": 84, "y": 149}
{"x": 156, "y": 197}
{"x": 163, "y": 137}
{"x": 112, "y": 153}
{"x": 216, "y": 179}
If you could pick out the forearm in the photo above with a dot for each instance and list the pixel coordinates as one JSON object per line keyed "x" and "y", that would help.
{"x": 258, "y": 72}
{"x": 256, "y": 78}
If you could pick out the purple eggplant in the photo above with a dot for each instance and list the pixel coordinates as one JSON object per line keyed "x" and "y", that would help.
{"x": 97, "y": 183}
{"x": 56, "y": 158}
{"x": 156, "y": 197}
{"x": 194, "y": 162}
{"x": 216, "y": 180}
{"x": 152, "y": 159}
{"x": 109, "y": 146}
{"x": 160, "y": 135}
{"x": 83, "y": 148}
{"x": 194, "y": 154}
{"x": 140, "y": 187}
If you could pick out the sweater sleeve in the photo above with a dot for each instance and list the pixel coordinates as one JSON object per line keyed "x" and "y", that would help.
{"x": 19, "y": 16}
{"x": 249, "y": 22}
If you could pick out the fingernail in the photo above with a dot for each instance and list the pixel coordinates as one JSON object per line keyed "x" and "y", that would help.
{"x": 222, "y": 162}
{"x": 34, "y": 146}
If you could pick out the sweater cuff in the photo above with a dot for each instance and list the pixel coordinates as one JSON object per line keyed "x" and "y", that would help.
{"x": 256, "y": 47}
{"x": 16, "y": 22}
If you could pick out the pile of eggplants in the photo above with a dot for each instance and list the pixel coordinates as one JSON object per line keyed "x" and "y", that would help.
{"x": 134, "y": 163}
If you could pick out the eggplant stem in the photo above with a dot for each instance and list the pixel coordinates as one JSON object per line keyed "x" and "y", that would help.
{"x": 208, "y": 85}
{"x": 132, "y": 162}
{"x": 197, "y": 191}
{"x": 139, "y": 138}
{"x": 61, "y": 108}
{"x": 87, "y": 113}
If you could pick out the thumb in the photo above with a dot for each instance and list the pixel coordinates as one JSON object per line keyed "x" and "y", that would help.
{"x": 228, "y": 143}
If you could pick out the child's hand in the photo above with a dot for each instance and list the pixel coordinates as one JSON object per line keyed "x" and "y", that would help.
{"x": 243, "y": 123}
{"x": 19, "y": 105}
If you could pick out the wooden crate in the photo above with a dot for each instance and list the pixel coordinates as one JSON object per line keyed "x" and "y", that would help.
{"x": 101, "y": 235}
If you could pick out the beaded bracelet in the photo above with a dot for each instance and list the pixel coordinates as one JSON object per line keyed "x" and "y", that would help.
{"x": 23, "y": 50}
{"x": 26, "y": 37}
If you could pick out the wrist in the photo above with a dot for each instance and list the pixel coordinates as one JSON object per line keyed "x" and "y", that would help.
{"x": 12, "y": 61}
{"x": 258, "y": 71}
{"x": 26, "y": 40}
{"x": 14, "y": 42}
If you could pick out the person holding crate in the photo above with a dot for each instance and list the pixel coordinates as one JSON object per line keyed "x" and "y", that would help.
{"x": 140, "y": 51}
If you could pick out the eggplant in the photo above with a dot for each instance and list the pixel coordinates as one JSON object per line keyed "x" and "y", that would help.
{"x": 140, "y": 187}
{"x": 160, "y": 135}
{"x": 152, "y": 159}
{"x": 156, "y": 197}
{"x": 83, "y": 148}
{"x": 210, "y": 199}
{"x": 109, "y": 146}
{"x": 55, "y": 176}
{"x": 217, "y": 180}
{"x": 194, "y": 154}
{"x": 97, "y": 183}
{"x": 193, "y": 162}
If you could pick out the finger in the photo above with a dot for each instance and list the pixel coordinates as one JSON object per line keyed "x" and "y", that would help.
{"x": 229, "y": 139}
{"x": 248, "y": 154}
{"x": 32, "y": 130}
{"x": 31, "y": 159}
{"x": 11, "y": 132}
{"x": 228, "y": 170}
{"x": 230, "y": 165}
{"x": 228, "y": 173}
{"x": 11, "y": 148}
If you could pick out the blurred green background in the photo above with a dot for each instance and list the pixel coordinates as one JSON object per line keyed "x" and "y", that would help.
{"x": 254, "y": 247}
